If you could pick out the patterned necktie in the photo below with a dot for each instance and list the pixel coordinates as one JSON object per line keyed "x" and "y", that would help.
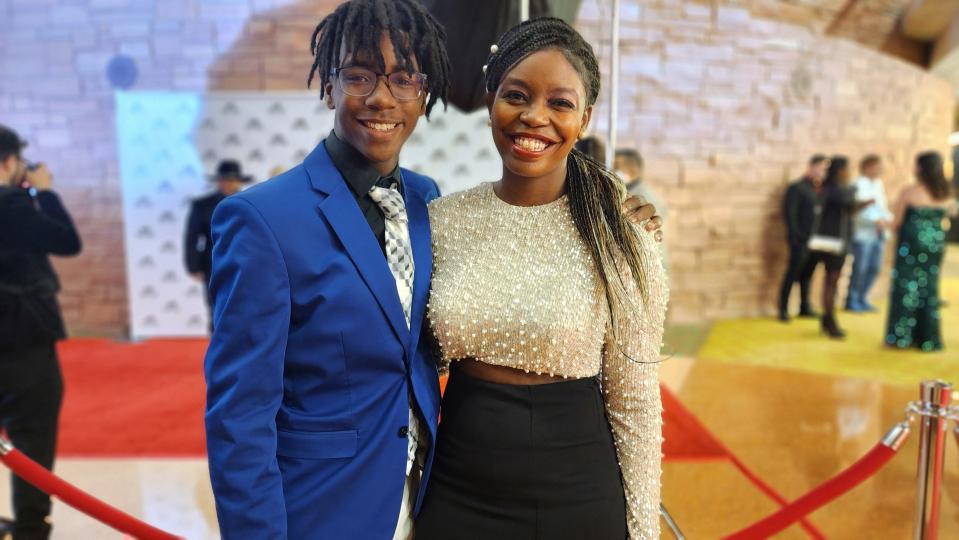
{"x": 399, "y": 250}
{"x": 399, "y": 255}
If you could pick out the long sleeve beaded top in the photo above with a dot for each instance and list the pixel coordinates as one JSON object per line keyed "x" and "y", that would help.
{"x": 516, "y": 286}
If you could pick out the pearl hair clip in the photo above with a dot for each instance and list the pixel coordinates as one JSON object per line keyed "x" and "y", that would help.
{"x": 493, "y": 49}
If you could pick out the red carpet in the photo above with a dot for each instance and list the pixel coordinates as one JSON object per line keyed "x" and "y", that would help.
{"x": 142, "y": 399}
{"x": 147, "y": 399}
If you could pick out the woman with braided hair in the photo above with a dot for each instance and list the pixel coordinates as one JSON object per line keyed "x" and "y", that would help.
{"x": 547, "y": 306}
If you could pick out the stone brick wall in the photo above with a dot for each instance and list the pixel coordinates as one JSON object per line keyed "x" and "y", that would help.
{"x": 726, "y": 107}
{"x": 725, "y": 103}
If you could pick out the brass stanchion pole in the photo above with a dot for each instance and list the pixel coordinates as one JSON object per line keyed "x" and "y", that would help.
{"x": 934, "y": 398}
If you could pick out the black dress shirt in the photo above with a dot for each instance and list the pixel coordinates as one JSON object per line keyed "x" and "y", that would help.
{"x": 799, "y": 210}
{"x": 361, "y": 176}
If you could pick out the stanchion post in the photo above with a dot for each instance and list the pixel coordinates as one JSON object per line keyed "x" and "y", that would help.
{"x": 5, "y": 446}
{"x": 677, "y": 534}
{"x": 934, "y": 398}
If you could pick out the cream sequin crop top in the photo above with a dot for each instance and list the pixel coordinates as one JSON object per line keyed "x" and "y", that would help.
{"x": 515, "y": 286}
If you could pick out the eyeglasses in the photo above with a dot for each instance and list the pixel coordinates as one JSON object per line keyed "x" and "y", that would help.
{"x": 361, "y": 82}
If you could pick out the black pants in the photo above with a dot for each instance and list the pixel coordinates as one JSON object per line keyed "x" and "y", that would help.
{"x": 523, "y": 462}
{"x": 801, "y": 266}
{"x": 31, "y": 391}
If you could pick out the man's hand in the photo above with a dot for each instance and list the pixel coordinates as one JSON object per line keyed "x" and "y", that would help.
{"x": 637, "y": 210}
{"x": 40, "y": 178}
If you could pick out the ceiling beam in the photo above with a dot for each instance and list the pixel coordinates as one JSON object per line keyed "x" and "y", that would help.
{"x": 840, "y": 17}
{"x": 926, "y": 20}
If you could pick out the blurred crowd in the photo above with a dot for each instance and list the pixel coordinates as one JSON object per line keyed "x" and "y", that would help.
{"x": 832, "y": 214}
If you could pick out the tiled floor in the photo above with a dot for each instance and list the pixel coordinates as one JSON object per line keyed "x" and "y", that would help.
{"x": 796, "y": 408}
{"x": 173, "y": 494}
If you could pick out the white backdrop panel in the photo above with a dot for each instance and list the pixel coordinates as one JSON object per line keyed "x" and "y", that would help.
{"x": 169, "y": 142}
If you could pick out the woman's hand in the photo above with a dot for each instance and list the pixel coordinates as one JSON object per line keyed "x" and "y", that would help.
{"x": 637, "y": 210}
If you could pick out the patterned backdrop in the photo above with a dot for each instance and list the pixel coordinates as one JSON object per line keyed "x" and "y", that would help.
{"x": 170, "y": 142}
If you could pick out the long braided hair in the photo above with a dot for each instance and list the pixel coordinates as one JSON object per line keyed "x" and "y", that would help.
{"x": 357, "y": 25}
{"x": 595, "y": 194}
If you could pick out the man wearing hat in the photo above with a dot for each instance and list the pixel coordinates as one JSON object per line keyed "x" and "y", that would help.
{"x": 33, "y": 225}
{"x": 198, "y": 245}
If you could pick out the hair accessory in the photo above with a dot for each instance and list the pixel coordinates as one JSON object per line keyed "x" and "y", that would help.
{"x": 494, "y": 48}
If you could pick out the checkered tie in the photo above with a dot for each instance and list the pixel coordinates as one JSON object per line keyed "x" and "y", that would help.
{"x": 399, "y": 250}
{"x": 399, "y": 255}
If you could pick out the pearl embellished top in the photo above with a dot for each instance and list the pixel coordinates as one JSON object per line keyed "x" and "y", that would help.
{"x": 516, "y": 286}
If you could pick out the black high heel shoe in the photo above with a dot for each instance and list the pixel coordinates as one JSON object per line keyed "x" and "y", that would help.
{"x": 829, "y": 326}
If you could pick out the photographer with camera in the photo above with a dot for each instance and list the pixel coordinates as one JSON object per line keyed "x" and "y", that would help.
{"x": 33, "y": 225}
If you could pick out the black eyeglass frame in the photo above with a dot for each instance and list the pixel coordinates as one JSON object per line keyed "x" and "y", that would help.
{"x": 420, "y": 78}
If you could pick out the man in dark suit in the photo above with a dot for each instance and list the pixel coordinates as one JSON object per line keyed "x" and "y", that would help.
{"x": 198, "y": 244}
{"x": 33, "y": 225}
{"x": 800, "y": 207}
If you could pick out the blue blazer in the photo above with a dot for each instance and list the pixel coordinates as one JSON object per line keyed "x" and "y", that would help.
{"x": 311, "y": 361}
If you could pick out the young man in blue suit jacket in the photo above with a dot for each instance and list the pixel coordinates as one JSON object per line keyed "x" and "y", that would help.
{"x": 316, "y": 367}
{"x": 322, "y": 398}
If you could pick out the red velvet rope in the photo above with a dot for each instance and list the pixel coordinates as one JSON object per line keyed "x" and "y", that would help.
{"x": 826, "y": 492}
{"x": 49, "y": 483}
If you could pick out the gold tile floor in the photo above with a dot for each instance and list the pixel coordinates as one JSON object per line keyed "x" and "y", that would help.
{"x": 796, "y": 430}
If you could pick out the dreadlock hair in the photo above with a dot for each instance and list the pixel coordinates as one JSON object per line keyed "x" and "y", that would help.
{"x": 358, "y": 25}
{"x": 595, "y": 194}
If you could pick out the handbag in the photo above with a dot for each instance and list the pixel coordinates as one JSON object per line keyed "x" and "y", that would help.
{"x": 827, "y": 244}
{"x": 822, "y": 243}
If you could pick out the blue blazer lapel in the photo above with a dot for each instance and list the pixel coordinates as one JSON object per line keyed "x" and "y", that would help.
{"x": 341, "y": 212}
{"x": 419, "y": 223}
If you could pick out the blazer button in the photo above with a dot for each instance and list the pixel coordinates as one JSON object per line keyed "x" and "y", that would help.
{"x": 404, "y": 431}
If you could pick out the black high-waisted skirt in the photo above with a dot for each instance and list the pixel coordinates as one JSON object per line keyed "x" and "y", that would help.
{"x": 517, "y": 462}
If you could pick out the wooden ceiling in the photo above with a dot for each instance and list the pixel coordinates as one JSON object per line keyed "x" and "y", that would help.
{"x": 924, "y": 32}
{"x": 927, "y": 20}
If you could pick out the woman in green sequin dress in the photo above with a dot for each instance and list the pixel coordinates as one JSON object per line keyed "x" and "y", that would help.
{"x": 914, "y": 298}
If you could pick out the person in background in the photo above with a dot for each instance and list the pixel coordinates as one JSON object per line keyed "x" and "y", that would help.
{"x": 920, "y": 247}
{"x": 592, "y": 147}
{"x": 198, "y": 244}
{"x": 595, "y": 148}
{"x": 33, "y": 225}
{"x": 869, "y": 234}
{"x": 839, "y": 204}
{"x": 799, "y": 211}
{"x": 629, "y": 168}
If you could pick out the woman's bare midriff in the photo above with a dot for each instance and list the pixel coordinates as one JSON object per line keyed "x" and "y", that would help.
{"x": 502, "y": 374}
